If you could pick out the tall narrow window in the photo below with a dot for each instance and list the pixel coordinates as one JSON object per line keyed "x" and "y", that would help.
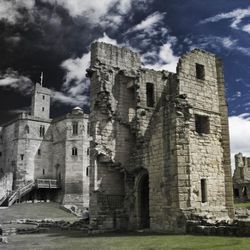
{"x": 75, "y": 128}
{"x": 87, "y": 151}
{"x": 0, "y": 153}
{"x": 150, "y": 94}
{"x": 74, "y": 151}
{"x": 203, "y": 190}
{"x": 43, "y": 97}
{"x": 27, "y": 129}
{"x": 42, "y": 131}
{"x": 39, "y": 151}
{"x": 43, "y": 171}
{"x": 202, "y": 124}
{"x": 87, "y": 171}
{"x": 200, "y": 71}
{"x": 42, "y": 108}
{"x": 22, "y": 156}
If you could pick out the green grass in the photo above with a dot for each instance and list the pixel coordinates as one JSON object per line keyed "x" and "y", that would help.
{"x": 38, "y": 211}
{"x": 242, "y": 205}
{"x": 71, "y": 240}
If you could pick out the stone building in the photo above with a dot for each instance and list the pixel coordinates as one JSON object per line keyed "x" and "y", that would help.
{"x": 160, "y": 145}
{"x": 241, "y": 178}
{"x": 48, "y": 158}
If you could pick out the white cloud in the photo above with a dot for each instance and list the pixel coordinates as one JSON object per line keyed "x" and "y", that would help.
{"x": 9, "y": 10}
{"x": 166, "y": 59}
{"x": 239, "y": 128}
{"x": 246, "y": 28}
{"x": 73, "y": 91}
{"x": 148, "y": 24}
{"x": 103, "y": 13}
{"x": 12, "y": 79}
{"x": 107, "y": 39}
{"x": 236, "y": 17}
{"x": 95, "y": 11}
{"x": 75, "y": 82}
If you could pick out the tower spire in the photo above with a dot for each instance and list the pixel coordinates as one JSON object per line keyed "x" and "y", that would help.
{"x": 41, "y": 79}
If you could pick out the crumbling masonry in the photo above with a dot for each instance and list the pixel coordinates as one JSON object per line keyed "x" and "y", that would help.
{"x": 160, "y": 146}
{"x": 241, "y": 178}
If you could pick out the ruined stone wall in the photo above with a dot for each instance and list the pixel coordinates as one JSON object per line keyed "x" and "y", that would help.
{"x": 241, "y": 178}
{"x": 207, "y": 156}
{"x": 178, "y": 137}
{"x": 113, "y": 74}
{"x": 242, "y": 168}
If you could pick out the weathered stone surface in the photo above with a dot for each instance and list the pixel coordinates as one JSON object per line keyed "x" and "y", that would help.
{"x": 241, "y": 178}
{"x": 157, "y": 138}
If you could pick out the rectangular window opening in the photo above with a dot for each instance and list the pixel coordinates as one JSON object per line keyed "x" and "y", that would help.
{"x": 0, "y": 154}
{"x": 203, "y": 190}
{"x": 22, "y": 156}
{"x": 150, "y": 94}
{"x": 39, "y": 152}
{"x": 43, "y": 171}
{"x": 200, "y": 71}
{"x": 43, "y": 97}
{"x": 236, "y": 193}
{"x": 42, "y": 131}
{"x": 75, "y": 128}
{"x": 42, "y": 108}
{"x": 202, "y": 124}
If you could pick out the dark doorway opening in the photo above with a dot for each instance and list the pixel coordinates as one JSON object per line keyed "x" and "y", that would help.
{"x": 143, "y": 196}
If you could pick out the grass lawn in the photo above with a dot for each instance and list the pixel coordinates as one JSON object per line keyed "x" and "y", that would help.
{"x": 242, "y": 205}
{"x": 75, "y": 240}
{"x": 38, "y": 211}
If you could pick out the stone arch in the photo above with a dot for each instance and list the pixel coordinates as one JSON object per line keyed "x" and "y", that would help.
{"x": 142, "y": 187}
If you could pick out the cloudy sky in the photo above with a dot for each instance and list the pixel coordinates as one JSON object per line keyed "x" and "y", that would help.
{"x": 54, "y": 36}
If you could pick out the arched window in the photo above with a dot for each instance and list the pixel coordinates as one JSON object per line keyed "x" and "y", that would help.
{"x": 27, "y": 129}
{"x": 74, "y": 151}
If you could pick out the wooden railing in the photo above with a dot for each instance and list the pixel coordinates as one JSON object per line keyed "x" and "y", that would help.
{"x": 4, "y": 198}
{"x": 20, "y": 192}
{"x": 47, "y": 183}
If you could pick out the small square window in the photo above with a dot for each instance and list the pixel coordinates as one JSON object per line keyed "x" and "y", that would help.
{"x": 202, "y": 124}
{"x": 200, "y": 71}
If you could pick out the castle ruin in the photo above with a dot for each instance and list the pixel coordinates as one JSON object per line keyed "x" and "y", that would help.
{"x": 155, "y": 155}
{"x": 160, "y": 143}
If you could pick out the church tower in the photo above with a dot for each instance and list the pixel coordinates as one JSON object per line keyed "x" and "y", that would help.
{"x": 41, "y": 101}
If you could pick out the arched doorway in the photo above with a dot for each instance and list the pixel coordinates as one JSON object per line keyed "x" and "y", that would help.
{"x": 143, "y": 201}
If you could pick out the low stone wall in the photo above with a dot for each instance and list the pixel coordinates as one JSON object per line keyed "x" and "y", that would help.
{"x": 220, "y": 228}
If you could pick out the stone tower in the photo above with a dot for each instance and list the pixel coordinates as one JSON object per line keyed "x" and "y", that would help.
{"x": 160, "y": 150}
{"x": 40, "y": 106}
